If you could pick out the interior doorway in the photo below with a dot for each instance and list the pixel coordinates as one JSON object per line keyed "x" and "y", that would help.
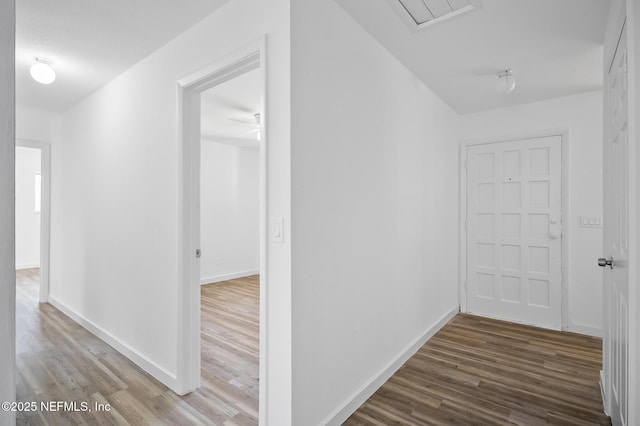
{"x": 230, "y": 180}
{"x": 230, "y": 238}
{"x": 32, "y": 227}
{"x": 191, "y": 91}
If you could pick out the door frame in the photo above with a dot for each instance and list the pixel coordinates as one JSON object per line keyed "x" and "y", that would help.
{"x": 633, "y": 49}
{"x": 45, "y": 212}
{"x": 565, "y": 214}
{"x": 244, "y": 59}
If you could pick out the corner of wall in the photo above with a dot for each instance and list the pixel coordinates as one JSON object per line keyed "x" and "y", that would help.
{"x": 340, "y": 415}
{"x": 7, "y": 210}
{"x": 132, "y": 354}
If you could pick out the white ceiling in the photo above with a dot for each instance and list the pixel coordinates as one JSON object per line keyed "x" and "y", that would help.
{"x": 228, "y": 110}
{"x": 91, "y": 42}
{"x": 553, "y": 46}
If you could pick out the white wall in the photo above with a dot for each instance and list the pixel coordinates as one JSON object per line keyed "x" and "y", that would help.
{"x": 7, "y": 210}
{"x": 581, "y": 115}
{"x": 375, "y": 219}
{"x": 27, "y": 220}
{"x": 34, "y": 124}
{"x": 115, "y": 199}
{"x": 229, "y": 212}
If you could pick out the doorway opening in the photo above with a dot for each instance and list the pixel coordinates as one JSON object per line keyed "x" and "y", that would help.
{"x": 229, "y": 182}
{"x": 32, "y": 219}
{"x": 203, "y": 259}
{"x": 230, "y": 237}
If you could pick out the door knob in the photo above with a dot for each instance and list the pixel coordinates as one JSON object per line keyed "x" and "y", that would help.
{"x": 605, "y": 262}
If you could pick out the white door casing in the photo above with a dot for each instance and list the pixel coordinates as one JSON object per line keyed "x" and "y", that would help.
{"x": 514, "y": 231}
{"x": 616, "y": 234}
{"x": 249, "y": 57}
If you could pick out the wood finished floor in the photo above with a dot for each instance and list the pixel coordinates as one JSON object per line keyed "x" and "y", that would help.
{"x": 58, "y": 360}
{"x": 475, "y": 371}
{"x": 478, "y": 371}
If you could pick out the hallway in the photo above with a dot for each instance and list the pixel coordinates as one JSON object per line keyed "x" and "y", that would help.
{"x": 480, "y": 371}
{"x": 474, "y": 371}
{"x": 58, "y": 360}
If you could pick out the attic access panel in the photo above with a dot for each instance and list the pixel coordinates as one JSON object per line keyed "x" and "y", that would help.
{"x": 419, "y": 14}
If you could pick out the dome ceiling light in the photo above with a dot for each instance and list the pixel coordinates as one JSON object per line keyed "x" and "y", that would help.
{"x": 42, "y": 71}
{"x": 506, "y": 82}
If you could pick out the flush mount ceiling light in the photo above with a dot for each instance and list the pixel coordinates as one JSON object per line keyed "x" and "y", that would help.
{"x": 42, "y": 71}
{"x": 259, "y": 132}
{"x": 253, "y": 125}
{"x": 506, "y": 82}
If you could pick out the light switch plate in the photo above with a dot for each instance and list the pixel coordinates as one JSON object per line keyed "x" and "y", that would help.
{"x": 591, "y": 221}
{"x": 277, "y": 230}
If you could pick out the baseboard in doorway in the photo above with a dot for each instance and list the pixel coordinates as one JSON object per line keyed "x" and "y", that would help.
{"x": 602, "y": 393}
{"x": 133, "y": 355}
{"x": 586, "y": 330}
{"x": 352, "y": 404}
{"x": 27, "y": 266}
{"x": 227, "y": 277}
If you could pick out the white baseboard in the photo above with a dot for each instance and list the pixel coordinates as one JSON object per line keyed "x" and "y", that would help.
{"x": 227, "y": 277}
{"x": 583, "y": 329}
{"x": 352, "y": 404}
{"x": 602, "y": 393}
{"x": 27, "y": 266}
{"x": 134, "y": 356}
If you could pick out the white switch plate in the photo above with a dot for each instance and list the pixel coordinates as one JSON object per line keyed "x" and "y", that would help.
{"x": 277, "y": 231}
{"x": 591, "y": 221}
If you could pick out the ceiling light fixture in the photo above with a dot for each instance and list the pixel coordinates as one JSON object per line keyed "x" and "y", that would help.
{"x": 42, "y": 71}
{"x": 506, "y": 82}
{"x": 259, "y": 128}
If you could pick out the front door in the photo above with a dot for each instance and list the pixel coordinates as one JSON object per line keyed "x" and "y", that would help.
{"x": 616, "y": 234}
{"x": 514, "y": 231}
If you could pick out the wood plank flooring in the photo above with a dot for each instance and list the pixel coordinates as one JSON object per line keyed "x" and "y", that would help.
{"x": 475, "y": 371}
{"x": 58, "y": 360}
{"x": 478, "y": 371}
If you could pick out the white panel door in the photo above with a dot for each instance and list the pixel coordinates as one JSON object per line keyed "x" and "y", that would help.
{"x": 616, "y": 235}
{"x": 514, "y": 231}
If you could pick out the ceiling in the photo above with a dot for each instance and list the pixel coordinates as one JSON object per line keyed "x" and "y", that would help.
{"x": 228, "y": 111}
{"x": 553, "y": 46}
{"x": 91, "y": 42}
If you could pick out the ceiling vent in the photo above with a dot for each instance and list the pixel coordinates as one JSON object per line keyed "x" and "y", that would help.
{"x": 419, "y": 14}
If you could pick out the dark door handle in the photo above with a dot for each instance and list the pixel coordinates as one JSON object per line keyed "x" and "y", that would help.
{"x": 605, "y": 262}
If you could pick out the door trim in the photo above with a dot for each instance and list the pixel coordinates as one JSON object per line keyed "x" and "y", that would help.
{"x": 45, "y": 212}
{"x": 247, "y": 58}
{"x": 633, "y": 49}
{"x": 565, "y": 214}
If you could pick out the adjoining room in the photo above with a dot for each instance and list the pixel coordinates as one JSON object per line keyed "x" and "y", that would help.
{"x": 230, "y": 238}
